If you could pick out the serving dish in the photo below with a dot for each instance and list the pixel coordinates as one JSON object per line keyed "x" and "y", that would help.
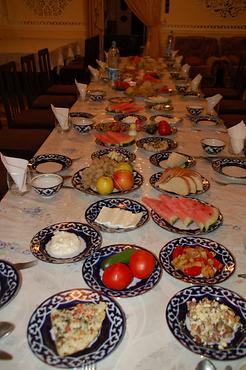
{"x": 156, "y": 158}
{"x": 221, "y": 254}
{"x": 207, "y": 120}
{"x": 122, "y": 203}
{"x": 92, "y": 273}
{"x": 170, "y": 144}
{"x": 126, "y": 155}
{"x": 78, "y": 184}
{"x": 172, "y": 120}
{"x": 120, "y": 99}
{"x": 90, "y": 237}
{"x": 176, "y": 316}
{"x": 39, "y": 326}
{"x": 50, "y": 163}
{"x": 112, "y": 126}
{"x": 9, "y": 282}
{"x": 231, "y": 168}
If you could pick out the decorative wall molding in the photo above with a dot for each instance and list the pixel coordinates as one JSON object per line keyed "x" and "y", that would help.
{"x": 46, "y": 23}
{"x": 205, "y": 27}
{"x": 47, "y": 8}
{"x": 226, "y": 8}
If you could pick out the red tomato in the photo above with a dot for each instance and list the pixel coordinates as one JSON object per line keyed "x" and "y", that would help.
{"x": 142, "y": 264}
{"x": 178, "y": 250}
{"x": 117, "y": 276}
{"x": 164, "y": 128}
{"x": 192, "y": 271}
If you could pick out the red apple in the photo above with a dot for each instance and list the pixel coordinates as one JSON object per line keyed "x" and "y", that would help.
{"x": 123, "y": 180}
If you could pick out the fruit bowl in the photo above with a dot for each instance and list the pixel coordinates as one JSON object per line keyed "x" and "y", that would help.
{"x": 212, "y": 145}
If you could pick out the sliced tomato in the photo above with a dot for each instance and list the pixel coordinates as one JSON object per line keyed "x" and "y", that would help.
{"x": 178, "y": 250}
{"x": 192, "y": 271}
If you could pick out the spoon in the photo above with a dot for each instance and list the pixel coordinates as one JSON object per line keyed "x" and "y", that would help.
{"x": 5, "y": 355}
{"x": 205, "y": 365}
{"x": 6, "y": 328}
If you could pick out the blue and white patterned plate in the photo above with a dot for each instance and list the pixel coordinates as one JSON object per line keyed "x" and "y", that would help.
{"x": 179, "y": 228}
{"x": 92, "y": 273}
{"x": 156, "y": 176}
{"x": 78, "y": 184}
{"x": 219, "y": 165}
{"x": 39, "y": 326}
{"x": 156, "y": 158}
{"x": 176, "y": 314}
{"x": 9, "y": 282}
{"x": 60, "y": 159}
{"x": 171, "y": 144}
{"x": 123, "y": 116}
{"x": 91, "y": 237}
{"x": 127, "y": 156}
{"x": 221, "y": 254}
{"x": 123, "y": 203}
{"x": 208, "y": 120}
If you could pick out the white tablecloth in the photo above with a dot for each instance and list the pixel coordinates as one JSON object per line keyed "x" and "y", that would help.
{"x": 148, "y": 344}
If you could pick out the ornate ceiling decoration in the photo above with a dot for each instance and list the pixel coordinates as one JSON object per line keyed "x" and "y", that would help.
{"x": 47, "y": 8}
{"x": 226, "y": 8}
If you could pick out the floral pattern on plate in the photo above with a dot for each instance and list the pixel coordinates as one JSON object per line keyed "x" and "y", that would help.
{"x": 39, "y": 326}
{"x": 176, "y": 315}
{"x": 170, "y": 144}
{"x": 122, "y": 203}
{"x": 91, "y": 237}
{"x": 156, "y": 158}
{"x": 156, "y": 176}
{"x": 92, "y": 273}
{"x": 220, "y": 164}
{"x": 63, "y": 160}
{"x": 127, "y": 156}
{"x": 78, "y": 184}
{"x": 221, "y": 254}
{"x": 9, "y": 282}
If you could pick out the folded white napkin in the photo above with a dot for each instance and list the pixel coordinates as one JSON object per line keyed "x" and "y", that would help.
{"x": 196, "y": 82}
{"x": 101, "y": 64}
{"x": 78, "y": 49}
{"x": 70, "y": 53}
{"x": 82, "y": 88}
{"x": 237, "y": 135}
{"x": 174, "y": 53}
{"x": 212, "y": 101}
{"x": 185, "y": 70}
{"x": 60, "y": 60}
{"x": 61, "y": 115}
{"x": 94, "y": 72}
{"x": 178, "y": 61}
{"x": 17, "y": 168}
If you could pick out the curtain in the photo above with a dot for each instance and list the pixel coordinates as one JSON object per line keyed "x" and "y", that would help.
{"x": 149, "y": 12}
{"x": 96, "y": 22}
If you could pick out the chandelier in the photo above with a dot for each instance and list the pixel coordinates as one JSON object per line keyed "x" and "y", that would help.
{"x": 226, "y": 8}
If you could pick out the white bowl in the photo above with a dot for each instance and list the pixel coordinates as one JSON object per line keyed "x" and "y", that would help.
{"x": 47, "y": 185}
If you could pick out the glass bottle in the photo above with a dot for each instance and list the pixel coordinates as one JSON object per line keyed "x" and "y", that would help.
{"x": 170, "y": 42}
{"x": 113, "y": 56}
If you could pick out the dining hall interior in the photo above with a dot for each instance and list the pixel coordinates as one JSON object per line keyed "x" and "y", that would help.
{"x": 123, "y": 148}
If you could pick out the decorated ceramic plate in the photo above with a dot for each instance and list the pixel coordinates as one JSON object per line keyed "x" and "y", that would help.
{"x": 120, "y": 99}
{"x": 119, "y": 154}
{"x": 9, "y": 282}
{"x": 127, "y": 141}
{"x": 156, "y": 144}
{"x": 130, "y": 117}
{"x": 220, "y": 253}
{"x": 90, "y": 240}
{"x": 112, "y": 126}
{"x": 169, "y": 118}
{"x": 192, "y": 95}
{"x": 179, "y": 228}
{"x": 156, "y": 176}
{"x": 77, "y": 182}
{"x": 178, "y": 322}
{"x": 208, "y": 120}
{"x": 121, "y": 203}
{"x": 158, "y": 99}
{"x": 39, "y": 329}
{"x": 232, "y": 168}
{"x": 157, "y": 108}
{"x": 92, "y": 273}
{"x": 50, "y": 163}
{"x": 156, "y": 158}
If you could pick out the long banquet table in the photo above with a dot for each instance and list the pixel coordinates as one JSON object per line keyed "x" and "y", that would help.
{"x": 148, "y": 343}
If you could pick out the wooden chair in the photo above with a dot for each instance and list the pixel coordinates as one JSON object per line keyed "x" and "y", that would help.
{"x": 3, "y": 180}
{"x": 17, "y": 114}
{"x": 48, "y": 78}
{"x": 34, "y": 94}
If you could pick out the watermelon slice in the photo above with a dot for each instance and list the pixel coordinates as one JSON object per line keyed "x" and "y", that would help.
{"x": 176, "y": 205}
{"x": 163, "y": 210}
{"x": 111, "y": 138}
{"x": 103, "y": 138}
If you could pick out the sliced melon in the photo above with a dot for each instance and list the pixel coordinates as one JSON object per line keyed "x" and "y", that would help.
{"x": 162, "y": 209}
{"x": 176, "y": 206}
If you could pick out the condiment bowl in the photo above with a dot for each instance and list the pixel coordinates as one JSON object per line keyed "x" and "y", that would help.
{"x": 83, "y": 125}
{"x": 47, "y": 185}
{"x": 194, "y": 110}
{"x": 96, "y": 95}
{"x": 181, "y": 87}
{"x": 212, "y": 145}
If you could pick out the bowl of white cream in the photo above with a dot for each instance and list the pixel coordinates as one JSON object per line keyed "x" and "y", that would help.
{"x": 47, "y": 184}
{"x": 64, "y": 244}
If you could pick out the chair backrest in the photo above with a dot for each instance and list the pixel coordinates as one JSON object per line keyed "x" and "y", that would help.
{"x": 30, "y": 78}
{"x": 45, "y": 68}
{"x": 92, "y": 51}
{"x": 11, "y": 91}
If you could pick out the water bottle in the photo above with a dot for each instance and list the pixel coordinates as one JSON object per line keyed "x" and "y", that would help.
{"x": 113, "y": 56}
{"x": 170, "y": 41}
{"x": 113, "y": 63}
